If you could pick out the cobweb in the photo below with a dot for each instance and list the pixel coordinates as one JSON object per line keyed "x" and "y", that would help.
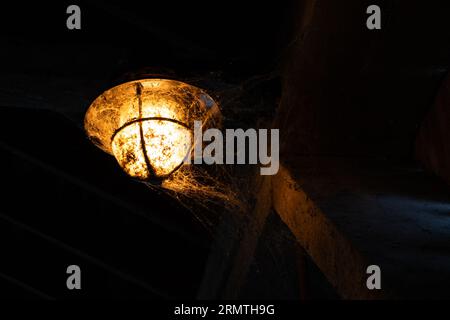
{"x": 210, "y": 191}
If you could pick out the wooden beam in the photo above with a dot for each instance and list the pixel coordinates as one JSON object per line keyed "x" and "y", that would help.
{"x": 328, "y": 247}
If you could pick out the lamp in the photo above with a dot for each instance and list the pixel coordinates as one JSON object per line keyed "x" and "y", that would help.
{"x": 147, "y": 125}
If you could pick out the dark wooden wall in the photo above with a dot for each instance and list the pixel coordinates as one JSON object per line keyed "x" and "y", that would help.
{"x": 433, "y": 140}
{"x": 350, "y": 91}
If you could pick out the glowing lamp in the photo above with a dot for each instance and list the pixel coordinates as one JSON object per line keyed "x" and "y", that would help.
{"x": 147, "y": 125}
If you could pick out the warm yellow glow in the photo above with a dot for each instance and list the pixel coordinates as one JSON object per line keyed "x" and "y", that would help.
{"x": 148, "y": 124}
{"x": 166, "y": 145}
